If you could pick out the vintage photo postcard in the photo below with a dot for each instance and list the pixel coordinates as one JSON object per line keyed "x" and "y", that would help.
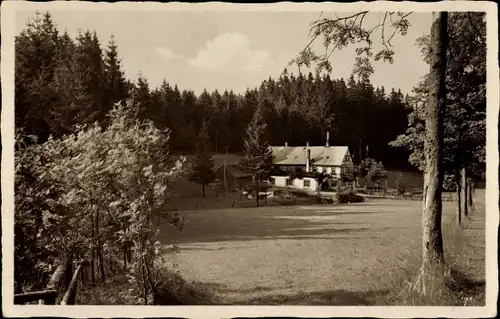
{"x": 225, "y": 160}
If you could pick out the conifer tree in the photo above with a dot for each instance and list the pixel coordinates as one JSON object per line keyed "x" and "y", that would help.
{"x": 115, "y": 84}
{"x": 258, "y": 156}
{"x": 203, "y": 169}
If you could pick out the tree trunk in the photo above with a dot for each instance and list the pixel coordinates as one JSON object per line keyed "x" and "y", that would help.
{"x": 203, "y": 190}
{"x": 92, "y": 267}
{"x": 217, "y": 141}
{"x": 82, "y": 275}
{"x": 470, "y": 193}
{"x": 257, "y": 194}
{"x": 144, "y": 284}
{"x": 432, "y": 239}
{"x": 464, "y": 190}
{"x": 151, "y": 283}
{"x": 124, "y": 256}
{"x": 98, "y": 241}
{"x": 458, "y": 183}
{"x": 360, "y": 150}
{"x": 101, "y": 261}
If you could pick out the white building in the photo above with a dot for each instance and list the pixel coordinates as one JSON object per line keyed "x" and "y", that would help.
{"x": 328, "y": 159}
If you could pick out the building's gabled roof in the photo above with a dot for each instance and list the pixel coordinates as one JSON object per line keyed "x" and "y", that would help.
{"x": 320, "y": 155}
{"x": 234, "y": 170}
{"x": 230, "y": 159}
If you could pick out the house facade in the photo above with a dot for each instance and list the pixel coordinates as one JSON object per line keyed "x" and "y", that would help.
{"x": 307, "y": 183}
{"x": 330, "y": 160}
{"x": 233, "y": 177}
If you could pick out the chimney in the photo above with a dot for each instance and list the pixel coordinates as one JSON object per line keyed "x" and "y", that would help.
{"x": 286, "y": 144}
{"x": 327, "y": 139}
{"x": 308, "y": 160}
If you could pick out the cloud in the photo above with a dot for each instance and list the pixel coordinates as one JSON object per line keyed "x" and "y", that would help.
{"x": 167, "y": 53}
{"x": 230, "y": 52}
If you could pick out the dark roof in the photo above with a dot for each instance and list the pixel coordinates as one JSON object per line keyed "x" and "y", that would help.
{"x": 235, "y": 171}
{"x": 230, "y": 159}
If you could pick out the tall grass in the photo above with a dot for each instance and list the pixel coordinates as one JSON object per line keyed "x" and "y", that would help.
{"x": 457, "y": 288}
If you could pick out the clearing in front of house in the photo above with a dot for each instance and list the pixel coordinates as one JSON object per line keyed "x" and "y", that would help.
{"x": 323, "y": 255}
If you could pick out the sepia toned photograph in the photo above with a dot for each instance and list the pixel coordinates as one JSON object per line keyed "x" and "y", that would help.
{"x": 249, "y": 155}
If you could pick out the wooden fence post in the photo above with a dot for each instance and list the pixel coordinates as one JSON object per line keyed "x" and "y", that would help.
{"x": 70, "y": 294}
{"x": 59, "y": 278}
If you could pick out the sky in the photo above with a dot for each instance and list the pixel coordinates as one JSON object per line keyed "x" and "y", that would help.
{"x": 230, "y": 50}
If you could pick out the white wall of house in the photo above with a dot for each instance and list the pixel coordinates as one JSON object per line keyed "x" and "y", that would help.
{"x": 334, "y": 170}
{"x": 305, "y": 183}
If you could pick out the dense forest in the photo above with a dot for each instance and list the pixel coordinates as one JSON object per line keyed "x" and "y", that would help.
{"x": 63, "y": 82}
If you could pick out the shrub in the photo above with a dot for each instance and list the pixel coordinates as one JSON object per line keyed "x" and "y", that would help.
{"x": 313, "y": 200}
{"x": 299, "y": 193}
{"x": 327, "y": 201}
{"x": 285, "y": 201}
{"x": 95, "y": 188}
{"x": 349, "y": 197}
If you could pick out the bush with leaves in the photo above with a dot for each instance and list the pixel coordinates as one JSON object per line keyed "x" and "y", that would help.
{"x": 373, "y": 171}
{"x": 97, "y": 189}
{"x": 349, "y": 197}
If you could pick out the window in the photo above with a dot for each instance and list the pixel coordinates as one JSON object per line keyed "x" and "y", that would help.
{"x": 288, "y": 182}
{"x": 307, "y": 183}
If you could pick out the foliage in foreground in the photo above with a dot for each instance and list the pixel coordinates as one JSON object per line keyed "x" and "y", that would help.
{"x": 174, "y": 290}
{"x": 94, "y": 195}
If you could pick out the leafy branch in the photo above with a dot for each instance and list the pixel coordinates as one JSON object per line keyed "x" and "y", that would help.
{"x": 341, "y": 32}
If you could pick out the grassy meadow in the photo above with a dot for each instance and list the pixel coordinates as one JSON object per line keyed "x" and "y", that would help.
{"x": 356, "y": 254}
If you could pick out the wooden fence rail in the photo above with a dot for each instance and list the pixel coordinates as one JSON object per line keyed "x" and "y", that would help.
{"x": 62, "y": 287}
{"x": 47, "y": 297}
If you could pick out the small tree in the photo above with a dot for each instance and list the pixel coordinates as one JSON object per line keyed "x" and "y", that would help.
{"x": 373, "y": 171}
{"x": 348, "y": 174}
{"x": 258, "y": 156}
{"x": 203, "y": 169}
{"x": 377, "y": 174}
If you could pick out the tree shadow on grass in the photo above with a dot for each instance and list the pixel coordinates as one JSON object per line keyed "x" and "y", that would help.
{"x": 231, "y": 226}
{"x": 184, "y": 246}
{"x": 338, "y": 297}
{"x": 461, "y": 284}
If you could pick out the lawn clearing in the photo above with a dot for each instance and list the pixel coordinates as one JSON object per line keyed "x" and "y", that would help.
{"x": 325, "y": 254}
